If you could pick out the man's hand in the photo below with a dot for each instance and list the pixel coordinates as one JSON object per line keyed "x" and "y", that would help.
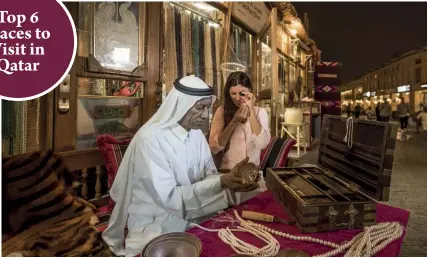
{"x": 235, "y": 169}
{"x": 232, "y": 182}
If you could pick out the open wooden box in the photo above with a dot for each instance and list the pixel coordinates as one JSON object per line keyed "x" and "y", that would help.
{"x": 341, "y": 192}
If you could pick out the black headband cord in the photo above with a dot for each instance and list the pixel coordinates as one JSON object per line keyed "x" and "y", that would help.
{"x": 192, "y": 91}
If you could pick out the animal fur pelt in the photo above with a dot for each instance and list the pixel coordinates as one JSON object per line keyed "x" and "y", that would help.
{"x": 41, "y": 214}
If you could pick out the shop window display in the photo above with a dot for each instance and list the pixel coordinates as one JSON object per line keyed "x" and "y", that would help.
{"x": 111, "y": 36}
{"x": 240, "y": 47}
{"x": 420, "y": 98}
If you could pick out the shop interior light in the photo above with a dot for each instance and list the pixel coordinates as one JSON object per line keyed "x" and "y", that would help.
{"x": 213, "y": 24}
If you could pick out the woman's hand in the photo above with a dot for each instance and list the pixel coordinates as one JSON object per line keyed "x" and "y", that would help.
{"x": 249, "y": 102}
{"x": 241, "y": 114}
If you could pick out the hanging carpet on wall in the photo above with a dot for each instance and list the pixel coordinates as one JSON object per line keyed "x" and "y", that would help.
{"x": 170, "y": 59}
{"x": 327, "y": 83}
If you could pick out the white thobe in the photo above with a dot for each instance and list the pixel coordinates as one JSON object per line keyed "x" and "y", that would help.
{"x": 174, "y": 181}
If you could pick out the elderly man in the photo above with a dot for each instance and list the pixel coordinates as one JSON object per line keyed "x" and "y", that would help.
{"x": 167, "y": 177}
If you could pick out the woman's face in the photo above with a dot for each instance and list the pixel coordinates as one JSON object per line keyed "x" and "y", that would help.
{"x": 237, "y": 99}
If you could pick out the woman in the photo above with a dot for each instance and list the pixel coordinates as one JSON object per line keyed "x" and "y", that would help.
{"x": 385, "y": 111}
{"x": 239, "y": 129}
{"x": 403, "y": 111}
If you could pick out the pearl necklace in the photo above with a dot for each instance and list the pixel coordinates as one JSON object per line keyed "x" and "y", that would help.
{"x": 240, "y": 247}
{"x": 366, "y": 243}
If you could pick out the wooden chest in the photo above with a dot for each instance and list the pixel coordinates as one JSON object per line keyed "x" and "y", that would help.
{"x": 351, "y": 176}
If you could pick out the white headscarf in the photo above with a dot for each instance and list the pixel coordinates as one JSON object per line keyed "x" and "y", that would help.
{"x": 175, "y": 105}
{"x": 173, "y": 108}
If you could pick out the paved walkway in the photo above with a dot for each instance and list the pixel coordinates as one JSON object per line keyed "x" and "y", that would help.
{"x": 408, "y": 189}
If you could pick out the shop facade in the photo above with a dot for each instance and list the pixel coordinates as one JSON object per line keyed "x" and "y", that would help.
{"x": 130, "y": 53}
{"x": 402, "y": 77}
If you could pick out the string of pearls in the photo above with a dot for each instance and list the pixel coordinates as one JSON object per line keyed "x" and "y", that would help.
{"x": 240, "y": 247}
{"x": 371, "y": 240}
{"x": 366, "y": 243}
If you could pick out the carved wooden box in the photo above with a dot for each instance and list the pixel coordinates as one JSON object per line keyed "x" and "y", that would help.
{"x": 342, "y": 190}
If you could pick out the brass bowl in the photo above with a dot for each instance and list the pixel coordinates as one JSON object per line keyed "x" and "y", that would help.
{"x": 177, "y": 244}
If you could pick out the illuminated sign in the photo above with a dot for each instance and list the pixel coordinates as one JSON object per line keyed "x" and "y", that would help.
{"x": 403, "y": 88}
{"x": 423, "y": 86}
{"x": 367, "y": 94}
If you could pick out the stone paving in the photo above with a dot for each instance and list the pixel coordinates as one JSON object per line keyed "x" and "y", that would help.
{"x": 408, "y": 189}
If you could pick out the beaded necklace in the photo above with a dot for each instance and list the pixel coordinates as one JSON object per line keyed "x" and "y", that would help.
{"x": 366, "y": 243}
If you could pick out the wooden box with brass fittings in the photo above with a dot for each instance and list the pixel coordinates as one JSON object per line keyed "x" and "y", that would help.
{"x": 352, "y": 174}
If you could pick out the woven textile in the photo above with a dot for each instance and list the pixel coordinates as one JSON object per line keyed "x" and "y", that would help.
{"x": 14, "y": 127}
{"x": 192, "y": 46}
{"x": 170, "y": 64}
{"x": 327, "y": 83}
{"x": 208, "y": 56}
{"x": 111, "y": 150}
{"x": 276, "y": 153}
